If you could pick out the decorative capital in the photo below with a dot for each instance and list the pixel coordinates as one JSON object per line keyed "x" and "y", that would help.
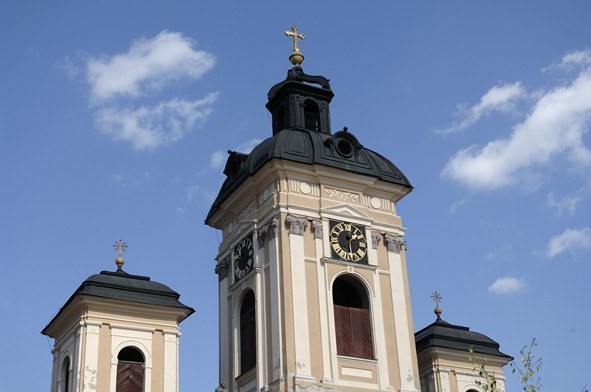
{"x": 222, "y": 268}
{"x": 317, "y": 229}
{"x": 376, "y": 237}
{"x": 262, "y": 234}
{"x": 394, "y": 243}
{"x": 268, "y": 230}
{"x": 296, "y": 224}
{"x": 272, "y": 227}
{"x": 222, "y": 388}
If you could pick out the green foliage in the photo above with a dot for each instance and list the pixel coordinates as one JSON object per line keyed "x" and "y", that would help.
{"x": 528, "y": 367}
{"x": 490, "y": 383}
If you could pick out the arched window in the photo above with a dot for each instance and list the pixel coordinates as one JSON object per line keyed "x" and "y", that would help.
{"x": 248, "y": 337}
{"x": 130, "y": 370}
{"x": 65, "y": 375}
{"x": 352, "y": 317}
{"x": 312, "y": 115}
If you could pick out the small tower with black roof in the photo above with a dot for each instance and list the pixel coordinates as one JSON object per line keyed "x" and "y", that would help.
{"x": 118, "y": 332}
{"x": 448, "y": 353}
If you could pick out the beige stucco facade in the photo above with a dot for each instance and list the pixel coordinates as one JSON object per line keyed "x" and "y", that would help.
{"x": 287, "y": 207}
{"x": 89, "y": 333}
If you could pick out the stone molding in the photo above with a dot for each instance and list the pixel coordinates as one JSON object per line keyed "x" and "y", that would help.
{"x": 296, "y": 224}
{"x": 317, "y": 229}
{"x": 342, "y": 195}
{"x": 376, "y": 237}
{"x": 222, "y": 268}
{"x": 268, "y": 230}
{"x": 394, "y": 243}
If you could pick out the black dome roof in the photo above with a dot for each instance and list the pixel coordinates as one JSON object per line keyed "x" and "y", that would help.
{"x": 136, "y": 288}
{"x": 299, "y": 106}
{"x": 341, "y": 150}
{"x": 120, "y": 285}
{"x": 443, "y": 334}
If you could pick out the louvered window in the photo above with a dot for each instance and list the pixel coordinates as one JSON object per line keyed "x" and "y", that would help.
{"x": 312, "y": 115}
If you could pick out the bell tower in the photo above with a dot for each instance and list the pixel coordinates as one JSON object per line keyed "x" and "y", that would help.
{"x": 118, "y": 332}
{"x": 313, "y": 288}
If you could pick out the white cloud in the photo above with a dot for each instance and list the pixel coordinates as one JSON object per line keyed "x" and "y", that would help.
{"x": 507, "y": 285}
{"x": 455, "y": 206}
{"x": 577, "y": 58}
{"x": 248, "y": 145}
{"x": 149, "y": 127}
{"x": 196, "y": 191}
{"x": 566, "y": 205}
{"x": 569, "y": 240}
{"x": 555, "y": 125}
{"x": 148, "y": 65}
{"x": 500, "y": 98}
{"x": 218, "y": 158}
{"x": 124, "y": 182}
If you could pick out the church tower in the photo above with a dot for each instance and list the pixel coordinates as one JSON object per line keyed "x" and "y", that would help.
{"x": 451, "y": 356}
{"x": 313, "y": 288}
{"x": 118, "y": 332}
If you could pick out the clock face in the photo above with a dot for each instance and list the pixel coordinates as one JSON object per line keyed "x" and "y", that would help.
{"x": 243, "y": 257}
{"x": 348, "y": 242}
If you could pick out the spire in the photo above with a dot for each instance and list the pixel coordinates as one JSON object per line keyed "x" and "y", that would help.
{"x": 296, "y": 57}
{"x": 120, "y": 247}
{"x": 436, "y": 297}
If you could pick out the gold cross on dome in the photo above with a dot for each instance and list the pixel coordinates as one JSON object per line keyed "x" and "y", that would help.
{"x": 295, "y": 35}
{"x": 436, "y": 297}
{"x": 120, "y": 247}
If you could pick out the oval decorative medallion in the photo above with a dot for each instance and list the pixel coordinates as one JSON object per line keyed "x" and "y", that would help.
{"x": 376, "y": 202}
{"x": 305, "y": 188}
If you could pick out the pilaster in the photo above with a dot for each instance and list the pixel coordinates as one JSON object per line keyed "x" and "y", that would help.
{"x": 297, "y": 226}
{"x": 408, "y": 377}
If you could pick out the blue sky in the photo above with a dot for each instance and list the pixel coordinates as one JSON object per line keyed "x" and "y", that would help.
{"x": 115, "y": 118}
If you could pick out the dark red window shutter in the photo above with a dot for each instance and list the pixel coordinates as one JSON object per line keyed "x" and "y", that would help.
{"x": 352, "y": 318}
{"x": 130, "y": 377}
{"x": 343, "y": 330}
{"x": 361, "y": 333}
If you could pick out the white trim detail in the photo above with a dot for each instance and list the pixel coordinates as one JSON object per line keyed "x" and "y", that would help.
{"x": 323, "y": 303}
{"x": 224, "y": 344}
{"x": 121, "y": 338}
{"x": 401, "y": 323}
{"x": 380, "y": 334}
{"x": 275, "y": 293}
{"x": 300, "y": 305}
{"x": 170, "y": 362}
{"x": 356, "y": 372}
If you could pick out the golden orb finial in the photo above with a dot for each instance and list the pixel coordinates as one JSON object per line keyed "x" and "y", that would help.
{"x": 120, "y": 247}
{"x": 296, "y": 57}
{"x": 436, "y": 297}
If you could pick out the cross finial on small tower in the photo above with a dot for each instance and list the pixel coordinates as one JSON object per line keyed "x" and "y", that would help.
{"x": 120, "y": 247}
{"x": 436, "y": 297}
{"x": 296, "y": 57}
